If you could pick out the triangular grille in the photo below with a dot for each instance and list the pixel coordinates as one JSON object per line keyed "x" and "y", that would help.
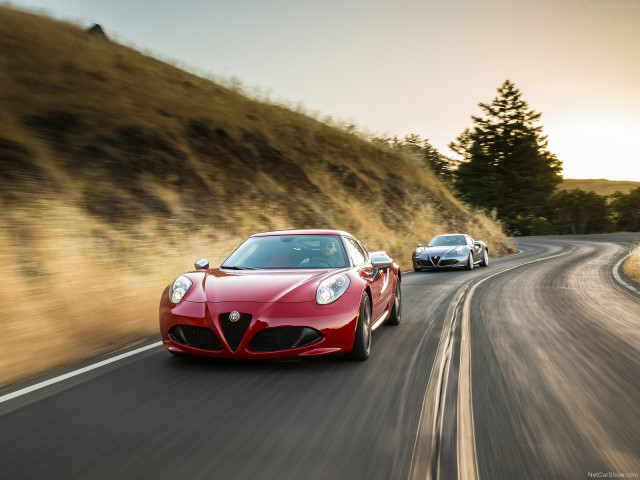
{"x": 234, "y": 331}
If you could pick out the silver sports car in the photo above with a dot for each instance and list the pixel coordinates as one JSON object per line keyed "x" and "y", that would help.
{"x": 454, "y": 250}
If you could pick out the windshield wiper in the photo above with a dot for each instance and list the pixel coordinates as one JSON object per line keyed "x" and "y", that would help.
{"x": 237, "y": 267}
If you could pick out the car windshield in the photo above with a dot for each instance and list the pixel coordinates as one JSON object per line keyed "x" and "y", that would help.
{"x": 447, "y": 241}
{"x": 288, "y": 251}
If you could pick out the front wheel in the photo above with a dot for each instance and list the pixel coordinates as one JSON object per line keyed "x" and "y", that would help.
{"x": 485, "y": 259}
{"x": 362, "y": 341}
{"x": 394, "y": 318}
{"x": 469, "y": 262}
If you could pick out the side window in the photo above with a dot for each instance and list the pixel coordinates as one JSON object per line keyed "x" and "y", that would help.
{"x": 469, "y": 240}
{"x": 355, "y": 252}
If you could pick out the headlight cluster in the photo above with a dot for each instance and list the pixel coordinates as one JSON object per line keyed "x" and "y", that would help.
{"x": 459, "y": 250}
{"x": 332, "y": 288}
{"x": 179, "y": 289}
{"x": 419, "y": 250}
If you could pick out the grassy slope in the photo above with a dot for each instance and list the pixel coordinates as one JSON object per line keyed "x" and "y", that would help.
{"x": 632, "y": 264}
{"x": 119, "y": 171}
{"x": 599, "y": 186}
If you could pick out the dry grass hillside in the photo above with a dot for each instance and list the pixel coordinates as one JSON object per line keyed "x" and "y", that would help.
{"x": 599, "y": 186}
{"x": 632, "y": 264}
{"x": 118, "y": 171}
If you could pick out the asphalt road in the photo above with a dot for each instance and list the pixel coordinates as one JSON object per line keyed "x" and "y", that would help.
{"x": 529, "y": 368}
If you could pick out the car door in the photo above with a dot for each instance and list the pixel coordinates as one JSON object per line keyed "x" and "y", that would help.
{"x": 379, "y": 281}
{"x": 475, "y": 249}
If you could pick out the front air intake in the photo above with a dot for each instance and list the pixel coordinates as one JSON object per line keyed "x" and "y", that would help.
{"x": 284, "y": 338}
{"x": 196, "y": 337}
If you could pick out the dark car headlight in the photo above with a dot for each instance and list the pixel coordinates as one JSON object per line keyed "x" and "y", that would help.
{"x": 332, "y": 289}
{"x": 179, "y": 289}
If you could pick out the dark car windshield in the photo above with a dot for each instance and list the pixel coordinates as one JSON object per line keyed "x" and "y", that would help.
{"x": 447, "y": 241}
{"x": 288, "y": 251}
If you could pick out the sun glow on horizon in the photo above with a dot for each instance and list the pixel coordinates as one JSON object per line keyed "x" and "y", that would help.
{"x": 584, "y": 145}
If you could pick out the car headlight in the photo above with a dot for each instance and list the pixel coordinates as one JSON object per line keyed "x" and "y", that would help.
{"x": 179, "y": 289}
{"x": 332, "y": 288}
{"x": 419, "y": 250}
{"x": 459, "y": 250}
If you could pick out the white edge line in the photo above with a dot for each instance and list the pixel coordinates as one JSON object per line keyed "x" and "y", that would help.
{"x": 51, "y": 381}
{"x": 619, "y": 279}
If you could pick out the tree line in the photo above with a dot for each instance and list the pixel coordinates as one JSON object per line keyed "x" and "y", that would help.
{"x": 506, "y": 170}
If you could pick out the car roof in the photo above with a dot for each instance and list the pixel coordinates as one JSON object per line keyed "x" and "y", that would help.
{"x": 302, "y": 232}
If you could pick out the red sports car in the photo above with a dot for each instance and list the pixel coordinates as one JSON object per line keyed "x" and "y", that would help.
{"x": 295, "y": 293}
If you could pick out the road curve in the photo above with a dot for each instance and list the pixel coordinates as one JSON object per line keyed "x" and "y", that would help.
{"x": 556, "y": 366}
{"x": 529, "y": 368}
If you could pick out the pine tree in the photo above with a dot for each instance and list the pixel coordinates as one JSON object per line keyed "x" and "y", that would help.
{"x": 505, "y": 164}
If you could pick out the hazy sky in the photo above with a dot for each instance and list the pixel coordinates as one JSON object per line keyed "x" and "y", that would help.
{"x": 395, "y": 67}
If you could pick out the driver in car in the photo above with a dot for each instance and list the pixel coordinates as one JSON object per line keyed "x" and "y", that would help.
{"x": 329, "y": 251}
{"x": 330, "y": 255}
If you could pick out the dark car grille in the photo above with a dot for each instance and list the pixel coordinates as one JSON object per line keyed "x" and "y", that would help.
{"x": 437, "y": 262}
{"x": 284, "y": 338}
{"x": 197, "y": 337}
{"x": 234, "y": 331}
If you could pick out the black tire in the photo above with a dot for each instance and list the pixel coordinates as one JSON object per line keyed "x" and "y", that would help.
{"x": 485, "y": 259}
{"x": 469, "y": 262}
{"x": 396, "y": 311}
{"x": 362, "y": 341}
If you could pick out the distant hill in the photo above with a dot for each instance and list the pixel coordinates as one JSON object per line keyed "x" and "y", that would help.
{"x": 118, "y": 171}
{"x": 599, "y": 186}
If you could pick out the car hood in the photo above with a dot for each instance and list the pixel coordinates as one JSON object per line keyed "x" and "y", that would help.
{"x": 440, "y": 251}
{"x": 258, "y": 285}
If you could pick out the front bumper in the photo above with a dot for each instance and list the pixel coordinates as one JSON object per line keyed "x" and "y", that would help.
{"x": 265, "y": 330}
{"x": 435, "y": 262}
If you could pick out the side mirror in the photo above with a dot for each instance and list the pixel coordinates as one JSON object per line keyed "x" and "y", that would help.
{"x": 380, "y": 262}
{"x": 202, "y": 264}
